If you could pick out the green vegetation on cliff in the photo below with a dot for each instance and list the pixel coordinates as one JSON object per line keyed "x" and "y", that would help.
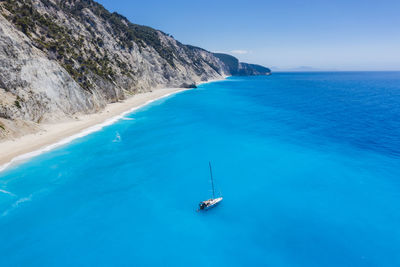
{"x": 58, "y": 41}
{"x": 67, "y": 47}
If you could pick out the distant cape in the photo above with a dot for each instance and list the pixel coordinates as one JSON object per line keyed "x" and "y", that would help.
{"x": 237, "y": 68}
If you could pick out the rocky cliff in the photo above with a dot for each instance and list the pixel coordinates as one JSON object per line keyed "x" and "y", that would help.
{"x": 59, "y": 58}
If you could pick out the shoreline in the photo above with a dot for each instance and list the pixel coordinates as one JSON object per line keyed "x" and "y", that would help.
{"x": 55, "y": 135}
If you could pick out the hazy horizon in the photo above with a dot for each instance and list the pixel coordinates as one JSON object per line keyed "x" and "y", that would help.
{"x": 284, "y": 35}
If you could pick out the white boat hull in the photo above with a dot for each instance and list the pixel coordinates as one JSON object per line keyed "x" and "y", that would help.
{"x": 210, "y": 203}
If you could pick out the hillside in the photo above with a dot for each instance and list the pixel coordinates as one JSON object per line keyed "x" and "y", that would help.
{"x": 63, "y": 58}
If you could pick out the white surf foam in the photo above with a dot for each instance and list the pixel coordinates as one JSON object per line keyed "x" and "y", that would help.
{"x": 7, "y": 192}
{"x": 16, "y": 204}
{"x": 117, "y": 138}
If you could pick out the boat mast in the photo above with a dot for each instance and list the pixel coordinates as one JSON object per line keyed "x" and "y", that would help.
{"x": 212, "y": 181}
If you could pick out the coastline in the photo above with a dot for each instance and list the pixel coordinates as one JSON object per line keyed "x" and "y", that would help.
{"x": 58, "y": 134}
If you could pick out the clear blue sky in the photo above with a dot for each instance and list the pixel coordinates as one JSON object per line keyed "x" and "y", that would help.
{"x": 335, "y": 34}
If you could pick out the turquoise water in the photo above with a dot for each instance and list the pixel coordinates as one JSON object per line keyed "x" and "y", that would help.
{"x": 307, "y": 163}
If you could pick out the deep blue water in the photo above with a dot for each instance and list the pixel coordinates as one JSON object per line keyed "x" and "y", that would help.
{"x": 308, "y": 164}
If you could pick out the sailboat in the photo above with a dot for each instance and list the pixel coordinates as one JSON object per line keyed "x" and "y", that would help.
{"x": 212, "y": 202}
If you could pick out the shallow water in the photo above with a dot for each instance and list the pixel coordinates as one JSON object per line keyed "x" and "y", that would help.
{"x": 307, "y": 163}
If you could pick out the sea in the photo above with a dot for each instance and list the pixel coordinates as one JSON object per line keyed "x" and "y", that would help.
{"x": 308, "y": 165}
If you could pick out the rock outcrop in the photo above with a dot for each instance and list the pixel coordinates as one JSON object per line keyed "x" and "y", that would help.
{"x": 241, "y": 69}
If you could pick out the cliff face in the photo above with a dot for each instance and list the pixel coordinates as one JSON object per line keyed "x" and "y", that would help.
{"x": 59, "y": 58}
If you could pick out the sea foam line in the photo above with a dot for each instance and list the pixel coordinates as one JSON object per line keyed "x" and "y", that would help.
{"x": 90, "y": 130}
{"x": 7, "y": 192}
{"x": 16, "y": 204}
